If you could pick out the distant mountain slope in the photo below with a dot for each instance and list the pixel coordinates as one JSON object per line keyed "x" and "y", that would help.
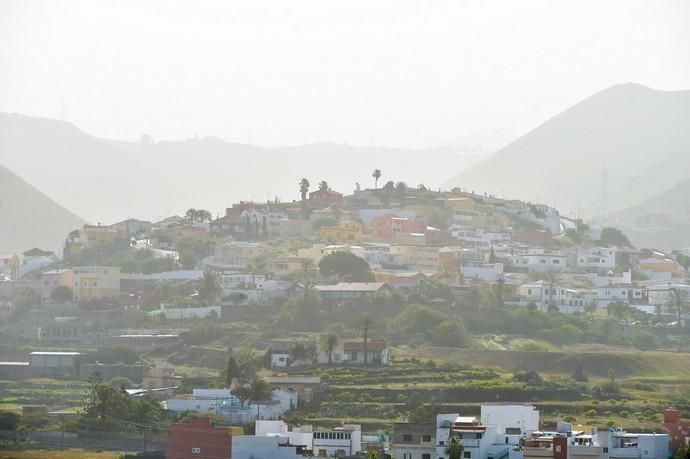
{"x": 105, "y": 180}
{"x": 28, "y": 218}
{"x": 640, "y": 136}
{"x": 662, "y": 220}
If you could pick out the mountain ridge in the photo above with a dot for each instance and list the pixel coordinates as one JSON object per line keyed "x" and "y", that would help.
{"x": 618, "y": 133}
{"x": 29, "y": 218}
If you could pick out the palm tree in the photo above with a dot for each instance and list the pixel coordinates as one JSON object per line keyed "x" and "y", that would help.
{"x": 323, "y": 186}
{"x": 366, "y": 323}
{"x": 377, "y": 176}
{"x": 260, "y": 390}
{"x": 454, "y": 449}
{"x": 210, "y": 288}
{"x": 329, "y": 343}
{"x": 307, "y": 273}
{"x": 679, "y": 302}
{"x": 304, "y": 188}
{"x": 191, "y": 215}
{"x": 203, "y": 215}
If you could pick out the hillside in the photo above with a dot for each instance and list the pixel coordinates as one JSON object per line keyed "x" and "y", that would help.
{"x": 662, "y": 220}
{"x": 28, "y": 218}
{"x": 105, "y": 180}
{"x": 640, "y": 136}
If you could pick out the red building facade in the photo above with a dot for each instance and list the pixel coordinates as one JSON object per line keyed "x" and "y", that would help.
{"x": 199, "y": 439}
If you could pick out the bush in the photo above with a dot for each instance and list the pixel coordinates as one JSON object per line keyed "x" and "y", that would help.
{"x": 451, "y": 333}
{"x": 417, "y": 318}
{"x": 591, "y": 413}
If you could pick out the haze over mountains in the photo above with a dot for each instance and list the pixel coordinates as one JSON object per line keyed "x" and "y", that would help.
{"x": 107, "y": 181}
{"x": 28, "y": 218}
{"x": 608, "y": 152}
{"x": 622, "y": 152}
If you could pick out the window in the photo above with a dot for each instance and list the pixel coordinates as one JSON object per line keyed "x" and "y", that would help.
{"x": 407, "y": 437}
{"x": 467, "y": 454}
{"x": 606, "y": 449}
{"x": 426, "y": 438}
{"x": 426, "y": 456}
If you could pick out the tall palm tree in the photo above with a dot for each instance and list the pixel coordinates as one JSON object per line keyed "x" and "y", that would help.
{"x": 329, "y": 343}
{"x": 377, "y": 176}
{"x": 203, "y": 215}
{"x": 304, "y": 188}
{"x": 191, "y": 215}
{"x": 366, "y": 323}
{"x": 307, "y": 274}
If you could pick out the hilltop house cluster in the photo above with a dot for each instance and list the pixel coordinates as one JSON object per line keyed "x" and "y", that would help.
{"x": 407, "y": 236}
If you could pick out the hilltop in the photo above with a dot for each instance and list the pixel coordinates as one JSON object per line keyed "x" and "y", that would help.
{"x": 637, "y": 137}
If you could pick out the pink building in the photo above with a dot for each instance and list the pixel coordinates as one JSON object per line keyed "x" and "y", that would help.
{"x": 326, "y": 197}
{"x": 53, "y": 279}
{"x": 385, "y": 226}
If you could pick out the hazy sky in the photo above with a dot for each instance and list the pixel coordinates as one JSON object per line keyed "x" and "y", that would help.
{"x": 400, "y": 73}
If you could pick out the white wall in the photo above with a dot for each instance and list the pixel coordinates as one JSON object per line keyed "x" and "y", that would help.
{"x": 255, "y": 447}
{"x": 526, "y": 417}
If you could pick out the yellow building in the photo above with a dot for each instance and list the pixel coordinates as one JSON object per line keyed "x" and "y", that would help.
{"x": 346, "y": 232}
{"x": 455, "y": 204}
{"x": 95, "y": 282}
{"x": 285, "y": 265}
{"x": 239, "y": 254}
{"x": 659, "y": 263}
{"x": 420, "y": 257}
{"x": 97, "y": 235}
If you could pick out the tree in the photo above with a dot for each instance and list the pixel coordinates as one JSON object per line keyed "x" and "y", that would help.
{"x": 400, "y": 188}
{"x": 377, "y": 176}
{"x": 617, "y": 309}
{"x": 455, "y": 448}
{"x": 678, "y": 301}
{"x": 684, "y": 261}
{"x": 329, "y": 343}
{"x": 614, "y": 237}
{"x": 303, "y": 188}
{"x": 346, "y": 266}
{"x": 28, "y": 297}
{"x": 190, "y": 215}
{"x": 203, "y": 215}
{"x": 323, "y": 186}
{"x": 61, "y": 294}
{"x": 366, "y": 323}
{"x": 590, "y": 308}
{"x": 232, "y": 371}
{"x": 259, "y": 391}
{"x": 210, "y": 288}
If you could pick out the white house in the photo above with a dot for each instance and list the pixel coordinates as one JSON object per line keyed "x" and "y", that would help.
{"x": 540, "y": 261}
{"x": 223, "y": 403}
{"x": 480, "y": 441}
{"x": 510, "y": 418}
{"x": 338, "y": 442}
{"x": 477, "y": 237}
{"x": 599, "y": 258}
{"x": 568, "y": 300}
{"x": 264, "y": 447}
{"x": 488, "y": 272}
